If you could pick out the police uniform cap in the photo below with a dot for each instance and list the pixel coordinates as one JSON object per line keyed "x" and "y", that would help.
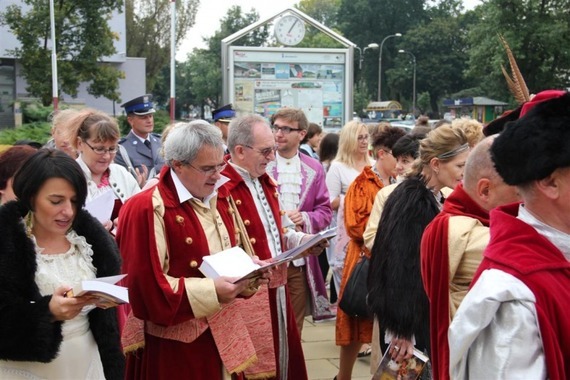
{"x": 141, "y": 105}
{"x": 224, "y": 114}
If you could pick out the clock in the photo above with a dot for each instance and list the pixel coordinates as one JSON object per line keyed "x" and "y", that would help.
{"x": 289, "y": 30}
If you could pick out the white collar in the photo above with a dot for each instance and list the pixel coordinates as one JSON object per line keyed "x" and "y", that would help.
{"x": 185, "y": 195}
{"x": 559, "y": 239}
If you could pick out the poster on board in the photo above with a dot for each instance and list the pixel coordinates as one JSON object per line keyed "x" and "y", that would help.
{"x": 264, "y": 80}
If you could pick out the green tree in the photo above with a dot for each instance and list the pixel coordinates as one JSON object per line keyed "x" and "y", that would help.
{"x": 325, "y": 12}
{"x": 370, "y": 21}
{"x": 538, "y": 33}
{"x": 204, "y": 74}
{"x": 83, "y": 37}
{"x": 441, "y": 73}
{"x": 148, "y": 32}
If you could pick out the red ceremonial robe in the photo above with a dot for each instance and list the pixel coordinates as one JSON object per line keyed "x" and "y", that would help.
{"x": 252, "y": 221}
{"x": 435, "y": 273}
{"x": 176, "y": 344}
{"x": 518, "y": 249}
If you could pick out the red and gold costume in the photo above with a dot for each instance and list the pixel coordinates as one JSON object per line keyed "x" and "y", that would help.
{"x": 181, "y": 331}
{"x": 292, "y": 356}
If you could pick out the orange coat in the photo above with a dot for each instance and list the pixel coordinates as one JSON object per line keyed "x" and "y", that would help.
{"x": 357, "y": 206}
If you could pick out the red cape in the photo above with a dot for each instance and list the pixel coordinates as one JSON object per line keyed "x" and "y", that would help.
{"x": 435, "y": 272}
{"x": 518, "y": 249}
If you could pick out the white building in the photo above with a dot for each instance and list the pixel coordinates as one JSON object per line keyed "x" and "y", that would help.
{"x": 13, "y": 85}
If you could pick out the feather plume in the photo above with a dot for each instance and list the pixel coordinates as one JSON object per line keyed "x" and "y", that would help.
{"x": 516, "y": 84}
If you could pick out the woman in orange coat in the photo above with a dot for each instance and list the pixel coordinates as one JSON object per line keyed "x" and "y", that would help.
{"x": 351, "y": 332}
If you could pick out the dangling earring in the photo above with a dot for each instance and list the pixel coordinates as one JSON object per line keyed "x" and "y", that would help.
{"x": 29, "y": 222}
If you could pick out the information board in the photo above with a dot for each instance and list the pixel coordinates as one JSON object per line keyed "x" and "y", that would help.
{"x": 263, "y": 80}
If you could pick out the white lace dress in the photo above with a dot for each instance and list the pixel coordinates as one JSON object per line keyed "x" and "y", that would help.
{"x": 78, "y": 356}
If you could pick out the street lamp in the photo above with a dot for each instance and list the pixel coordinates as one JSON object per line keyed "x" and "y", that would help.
{"x": 372, "y": 45}
{"x": 414, "y": 82}
{"x": 380, "y": 64}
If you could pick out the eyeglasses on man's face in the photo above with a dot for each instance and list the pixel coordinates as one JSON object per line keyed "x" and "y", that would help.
{"x": 208, "y": 170}
{"x": 264, "y": 152}
{"x": 285, "y": 129}
{"x": 101, "y": 151}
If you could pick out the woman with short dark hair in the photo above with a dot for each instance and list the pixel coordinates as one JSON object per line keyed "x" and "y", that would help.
{"x": 49, "y": 244}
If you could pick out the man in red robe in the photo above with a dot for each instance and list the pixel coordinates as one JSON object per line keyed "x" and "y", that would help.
{"x": 453, "y": 244}
{"x": 182, "y": 325}
{"x": 514, "y": 321}
{"x": 252, "y": 146}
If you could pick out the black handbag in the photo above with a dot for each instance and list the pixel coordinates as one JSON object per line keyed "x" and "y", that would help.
{"x": 353, "y": 300}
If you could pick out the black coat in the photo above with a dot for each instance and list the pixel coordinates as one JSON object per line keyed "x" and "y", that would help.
{"x": 395, "y": 290}
{"x": 26, "y": 330}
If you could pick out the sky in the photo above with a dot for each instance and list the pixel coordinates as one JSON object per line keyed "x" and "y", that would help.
{"x": 211, "y": 11}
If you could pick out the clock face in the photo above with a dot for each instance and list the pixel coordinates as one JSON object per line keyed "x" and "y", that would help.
{"x": 289, "y": 30}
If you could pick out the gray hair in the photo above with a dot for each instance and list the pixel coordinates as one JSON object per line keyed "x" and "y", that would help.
{"x": 185, "y": 141}
{"x": 240, "y": 130}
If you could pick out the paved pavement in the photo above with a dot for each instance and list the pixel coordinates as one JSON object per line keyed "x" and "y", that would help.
{"x": 321, "y": 353}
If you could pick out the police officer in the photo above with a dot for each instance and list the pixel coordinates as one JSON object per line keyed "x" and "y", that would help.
{"x": 222, "y": 117}
{"x": 142, "y": 146}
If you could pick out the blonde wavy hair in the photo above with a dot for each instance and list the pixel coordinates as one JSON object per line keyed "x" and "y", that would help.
{"x": 472, "y": 128}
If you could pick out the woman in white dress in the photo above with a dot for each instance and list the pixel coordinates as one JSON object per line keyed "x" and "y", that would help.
{"x": 49, "y": 244}
{"x": 352, "y": 157}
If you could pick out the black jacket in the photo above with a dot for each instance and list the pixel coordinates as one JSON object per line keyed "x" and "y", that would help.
{"x": 395, "y": 290}
{"x": 26, "y": 330}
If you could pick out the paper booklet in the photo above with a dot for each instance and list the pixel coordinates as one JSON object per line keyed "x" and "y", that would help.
{"x": 408, "y": 369}
{"x": 235, "y": 262}
{"x": 104, "y": 288}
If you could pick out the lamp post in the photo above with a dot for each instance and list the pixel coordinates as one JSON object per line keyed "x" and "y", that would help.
{"x": 414, "y": 81}
{"x": 380, "y": 64}
{"x": 372, "y": 45}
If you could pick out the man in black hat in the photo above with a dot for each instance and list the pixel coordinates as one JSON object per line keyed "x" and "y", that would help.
{"x": 142, "y": 146}
{"x": 514, "y": 322}
{"x": 222, "y": 117}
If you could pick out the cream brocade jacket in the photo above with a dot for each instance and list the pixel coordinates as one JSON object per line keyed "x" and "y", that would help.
{"x": 467, "y": 239}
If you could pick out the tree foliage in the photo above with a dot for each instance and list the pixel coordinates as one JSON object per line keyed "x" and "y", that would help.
{"x": 370, "y": 21}
{"x": 148, "y": 31}
{"x": 538, "y": 33}
{"x": 201, "y": 73}
{"x": 83, "y": 37}
{"x": 325, "y": 12}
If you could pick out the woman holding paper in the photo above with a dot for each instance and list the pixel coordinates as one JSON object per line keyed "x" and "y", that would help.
{"x": 49, "y": 244}
{"x": 96, "y": 137}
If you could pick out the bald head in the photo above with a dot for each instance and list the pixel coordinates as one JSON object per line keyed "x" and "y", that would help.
{"x": 482, "y": 182}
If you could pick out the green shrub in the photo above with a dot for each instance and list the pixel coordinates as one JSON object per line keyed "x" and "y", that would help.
{"x": 35, "y": 111}
{"x": 36, "y": 131}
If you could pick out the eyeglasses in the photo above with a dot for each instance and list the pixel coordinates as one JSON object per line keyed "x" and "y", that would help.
{"x": 284, "y": 130}
{"x": 387, "y": 152}
{"x": 264, "y": 152}
{"x": 209, "y": 170}
{"x": 101, "y": 151}
{"x": 363, "y": 138}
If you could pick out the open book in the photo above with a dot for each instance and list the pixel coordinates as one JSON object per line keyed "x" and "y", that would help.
{"x": 103, "y": 288}
{"x": 408, "y": 369}
{"x": 235, "y": 262}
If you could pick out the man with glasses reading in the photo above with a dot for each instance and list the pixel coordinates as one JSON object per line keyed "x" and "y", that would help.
{"x": 190, "y": 323}
{"x": 252, "y": 147}
{"x": 305, "y": 199}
